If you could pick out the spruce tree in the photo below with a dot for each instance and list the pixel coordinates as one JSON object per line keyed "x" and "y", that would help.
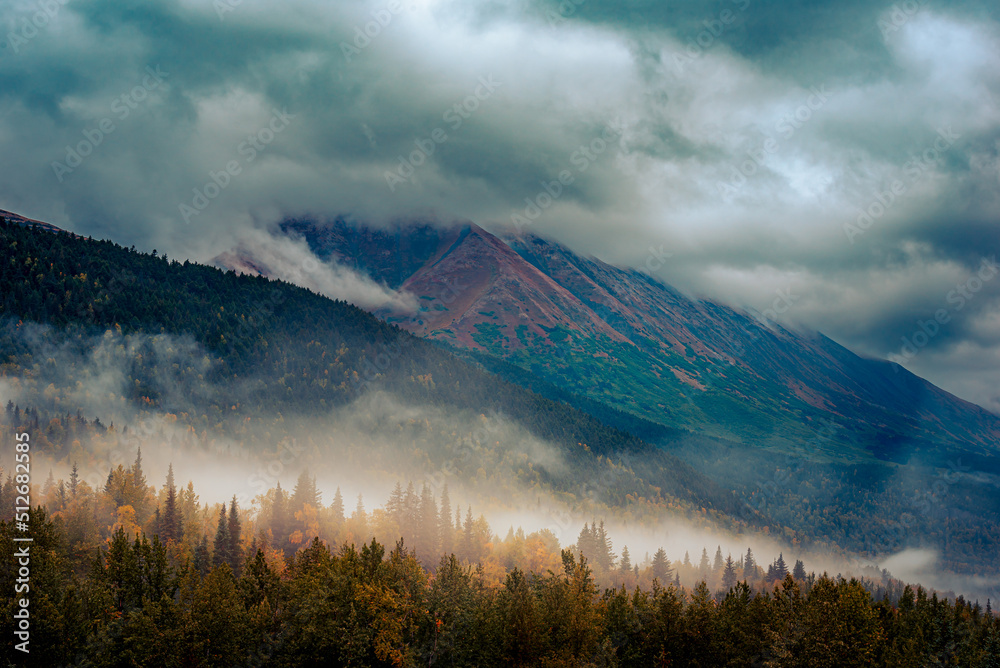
{"x": 279, "y": 519}
{"x": 235, "y": 548}
{"x": 661, "y": 566}
{"x": 704, "y": 565}
{"x": 799, "y": 572}
{"x": 626, "y": 562}
{"x": 729, "y": 574}
{"x": 446, "y": 530}
{"x": 426, "y": 542}
{"x": 603, "y": 549}
{"x": 394, "y": 506}
{"x": 202, "y": 559}
{"x": 305, "y": 492}
{"x": 337, "y": 508}
{"x": 74, "y": 481}
{"x": 222, "y": 543}
{"x": 780, "y": 568}
{"x": 749, "y": 566}
{"x": 172, "y": 527}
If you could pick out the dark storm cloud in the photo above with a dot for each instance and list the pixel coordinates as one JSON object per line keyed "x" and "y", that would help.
{"x": 750, "y": 138}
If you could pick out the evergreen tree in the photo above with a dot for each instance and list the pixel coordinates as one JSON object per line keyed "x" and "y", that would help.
{"x": 172, "y": 527}
{"x": 446, "y": 529}
{"x": 586, "y": 542}
{"x": 604, "y": 553}
{"x": 394, "y": 508}
{"x": 202, "y": 558}
{"x": 749, "y": 566}
{"x": 719, "y": 562}
{"x": 704, "y": 565}
{"x": 780, "y": 568}
{"x": 470, "y": 550}
{"x": 222, "y": 545}
{"x": 235, "y": 551}
{"x": 661, "y": 566}
{"x": 305, "y": 492}
{"x": 729, "y": 574}
{"x": 426, "y": 541}
{"x": 626, "y": 562}
{"x": 337, "y": 508}
{"x": 138, "y": 477}
{"x": 799, "y": 572}
{"x": 74, "y": 481}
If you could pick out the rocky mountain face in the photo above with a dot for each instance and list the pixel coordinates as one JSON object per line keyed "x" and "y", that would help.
{"x": 623, "y": 338}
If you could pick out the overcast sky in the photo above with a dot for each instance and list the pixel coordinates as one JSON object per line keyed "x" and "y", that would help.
{"x": 744, "y": 138}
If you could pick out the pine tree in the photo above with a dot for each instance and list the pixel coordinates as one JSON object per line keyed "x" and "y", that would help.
{"x": 138, "y": 477}
{"x": 426, "y": 542}
{"x": 74, "y": 481}
{"x": 719, "y": 562}
{"x": 704, "y": 565}
{"x": 469, "y": 549}
{"x": 202, "y": 559}
{"x": 394, "y": 506}
{"x": 749, "y": 566}
{"x": 729, "y": 574}
{"x": 661, "y": 566}
{"x": 626, "y": 561}
{"x": 446, "y": 529}
{"x": 605, "y": 554}
{"x": 780, "y": 568}
{"x": 799, "y": 572}
{"x": 50, "y": 484}
{"x": 305, "y": 492}
{"x": 172, "y": 527}
{"x": 235, "y": 548}
{"x": 360, "y": 518}
{"x": 222, "y": 544}
{"x": 337, "y": 508}
{"x": 279, "y": 519}
{"x": 586, "y": 543}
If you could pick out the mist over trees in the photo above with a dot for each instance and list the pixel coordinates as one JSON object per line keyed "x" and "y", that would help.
{"x": 294, "y": 582}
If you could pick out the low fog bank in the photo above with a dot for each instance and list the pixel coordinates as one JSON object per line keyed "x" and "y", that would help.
{"x": 487, "y": 463}
{"x": 290, "y": 259}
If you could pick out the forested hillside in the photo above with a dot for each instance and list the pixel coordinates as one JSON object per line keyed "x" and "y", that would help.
{"x": 261, "y": 351}
{"x": 139, "y": 574}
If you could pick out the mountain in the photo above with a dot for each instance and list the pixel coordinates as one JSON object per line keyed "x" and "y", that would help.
{"x": 620, "y": 337}
{"x": 21, "y": 220}
{"x": 827, "y": 442}
{"x": 243, "y": 357}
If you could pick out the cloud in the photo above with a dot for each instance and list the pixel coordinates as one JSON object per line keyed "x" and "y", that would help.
{"x": 291, "y": 260}
{"x": 748, "y": 140}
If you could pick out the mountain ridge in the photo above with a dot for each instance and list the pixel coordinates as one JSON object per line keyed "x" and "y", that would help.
{"x": 537, "y": 304}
